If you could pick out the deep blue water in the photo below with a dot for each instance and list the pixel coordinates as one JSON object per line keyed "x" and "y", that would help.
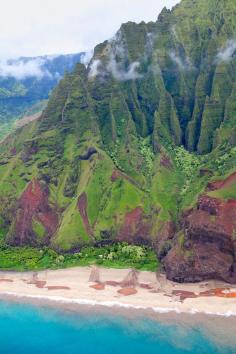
{"x": 26, "y": 329}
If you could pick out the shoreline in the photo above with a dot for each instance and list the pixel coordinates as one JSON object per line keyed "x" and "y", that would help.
{"x": 71, "y": 287}
{"x": 56, "y": 300}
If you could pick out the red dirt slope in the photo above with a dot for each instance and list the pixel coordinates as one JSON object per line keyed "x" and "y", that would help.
{"x": 33, "y": 205}
{"x": 208, "y": 246}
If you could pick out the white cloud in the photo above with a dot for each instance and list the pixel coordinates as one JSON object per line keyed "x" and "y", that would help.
{"x": 174, "y": 32}
{"x": 183, "y": 64}
{"x": 177, "y": 60}
{"x": 32, "y": 28}
{"x": 149, "y": 44}
{"x": 95, "y": 68}
{"x": 85, "y": 58}
{"x": 114, "y": 64}
{"x": 120, "y": 74}
{"x": 226, "y": 53}
{"x": 21, "y": 69}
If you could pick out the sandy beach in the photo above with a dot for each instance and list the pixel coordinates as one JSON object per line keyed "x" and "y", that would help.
{"x": 72, "y": 286}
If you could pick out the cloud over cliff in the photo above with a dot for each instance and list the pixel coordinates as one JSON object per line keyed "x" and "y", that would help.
{"x": 21, "y": 68}
{"x": 116, "y": 62}
{"x": 227, "y": 53}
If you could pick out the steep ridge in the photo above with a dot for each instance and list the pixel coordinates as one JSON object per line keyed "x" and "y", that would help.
{"x": 131, "y": 147}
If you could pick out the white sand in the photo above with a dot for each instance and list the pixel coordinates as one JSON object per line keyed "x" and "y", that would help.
{"x": 80, "y": 291}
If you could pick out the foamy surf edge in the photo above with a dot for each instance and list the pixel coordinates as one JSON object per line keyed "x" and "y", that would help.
{"x": 110, "y": 304}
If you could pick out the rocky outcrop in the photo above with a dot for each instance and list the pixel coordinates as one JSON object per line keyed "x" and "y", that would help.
{"x": 33, "y": 207}
{"x": 163, "y": 241}
{"x": 206, "y": 246}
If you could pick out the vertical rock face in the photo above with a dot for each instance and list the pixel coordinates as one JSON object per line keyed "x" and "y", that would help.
{"x": 33, "y": 215}
{"x": 206, "y": 246}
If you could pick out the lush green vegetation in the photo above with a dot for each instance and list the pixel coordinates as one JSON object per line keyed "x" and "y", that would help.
{"x": 113, "y": 256}
{"x": 188, "y": 164}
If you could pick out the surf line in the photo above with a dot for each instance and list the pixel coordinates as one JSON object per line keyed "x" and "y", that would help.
{"x": 109, "y": 304}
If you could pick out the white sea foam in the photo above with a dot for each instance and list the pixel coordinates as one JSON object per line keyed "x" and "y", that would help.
{"x": 109, "y": 304}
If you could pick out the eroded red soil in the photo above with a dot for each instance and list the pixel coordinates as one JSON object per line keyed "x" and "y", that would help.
{"x": 135, "y": 228}
{"x": 33, "y": 205}
{"x": 223, "y": 183}
{"x": 209, "y": 243}
{"x": 82, "y": 206}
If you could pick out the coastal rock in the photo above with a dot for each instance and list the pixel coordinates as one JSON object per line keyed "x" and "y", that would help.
{"x": 205, "y": 247}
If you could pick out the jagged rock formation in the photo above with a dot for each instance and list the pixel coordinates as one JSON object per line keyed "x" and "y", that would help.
{"x": 139, "y": 146}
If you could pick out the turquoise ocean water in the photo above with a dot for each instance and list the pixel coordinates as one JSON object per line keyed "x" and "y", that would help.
{"x": 27, "y": 329}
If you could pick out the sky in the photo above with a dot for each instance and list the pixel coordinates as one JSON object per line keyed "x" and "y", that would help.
{"x": 38, "y": 27}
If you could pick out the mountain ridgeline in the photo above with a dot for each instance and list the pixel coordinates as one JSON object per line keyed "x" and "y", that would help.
{"x": 139, "y": 146}
{"x": 25, "y": 85}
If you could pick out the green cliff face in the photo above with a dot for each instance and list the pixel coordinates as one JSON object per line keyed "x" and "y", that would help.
{"x": 128, "y": 144}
